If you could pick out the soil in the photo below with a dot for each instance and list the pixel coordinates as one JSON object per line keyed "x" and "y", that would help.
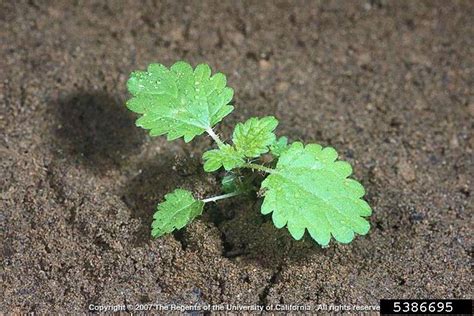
{"x": 387, "y": 83}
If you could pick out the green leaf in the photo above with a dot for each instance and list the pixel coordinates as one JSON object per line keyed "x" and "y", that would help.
{"x": 279, "y": 146}
{"x": 234, "y": 183}
{"x": 180, "y": 101}
{"x": 225, "y": 156}
{"x": 229, "y": 183}
{"x": 310, "y": 190}
{"x": 253, "y": 137}
{"x": 178, "y": 210}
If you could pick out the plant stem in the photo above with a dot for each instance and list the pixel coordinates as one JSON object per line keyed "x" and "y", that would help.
{"x": 215, "y": 137}
{"x": 220, "y": 197}
{"x": 258, "y": 167}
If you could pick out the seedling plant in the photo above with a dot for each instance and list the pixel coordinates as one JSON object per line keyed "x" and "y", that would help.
{"x": 306, "y": 187}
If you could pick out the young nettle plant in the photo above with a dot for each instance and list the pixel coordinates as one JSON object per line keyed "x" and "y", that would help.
{"x": 306, "y": 187}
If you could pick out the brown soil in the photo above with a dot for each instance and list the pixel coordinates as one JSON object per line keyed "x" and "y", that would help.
{"x": 388, "y": 84}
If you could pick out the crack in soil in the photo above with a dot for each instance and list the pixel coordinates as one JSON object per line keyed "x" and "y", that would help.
{"x": 273, "y": 280}
{"x": 179, "y": 235}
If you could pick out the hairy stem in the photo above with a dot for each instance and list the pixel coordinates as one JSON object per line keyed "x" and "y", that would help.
{"x": 255, "y": 166}
{"x": 220, "y": 197}
{"x": 215, "y": 137}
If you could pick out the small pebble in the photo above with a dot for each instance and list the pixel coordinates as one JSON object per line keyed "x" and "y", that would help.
{"x": 177, "y": 34}
{"x": 454, "y": 142}
{"x": 264, "y": 64}
{"x": 406, "y": 170}
{"x": 471, "y": 109}
{"x": 237, "y": 38}
{"x": 282, "y": 86}
{"x": 364, "y": 59}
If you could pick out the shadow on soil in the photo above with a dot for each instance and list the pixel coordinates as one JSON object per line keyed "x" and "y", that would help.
{"x": 96, "y": 130}
{"x": 153, "y": 180}
{"x": 100, "y": 133}
{"x": 246, "y": 235}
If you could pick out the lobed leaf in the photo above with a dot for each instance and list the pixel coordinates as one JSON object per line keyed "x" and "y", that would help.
{"x": 253, "y": 137}
{"x": 279, "y": 146}
{"x": 178, "y": 210}
{"x": 225, "y": 156}
{"x": 180, "y": 101}
{"x": 309, "y": 190}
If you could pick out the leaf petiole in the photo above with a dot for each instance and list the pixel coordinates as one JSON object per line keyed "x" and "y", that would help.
{"x": 215, "y": 137}
{"x": 220, "y": 197}
{"x": 258, "y": 167}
